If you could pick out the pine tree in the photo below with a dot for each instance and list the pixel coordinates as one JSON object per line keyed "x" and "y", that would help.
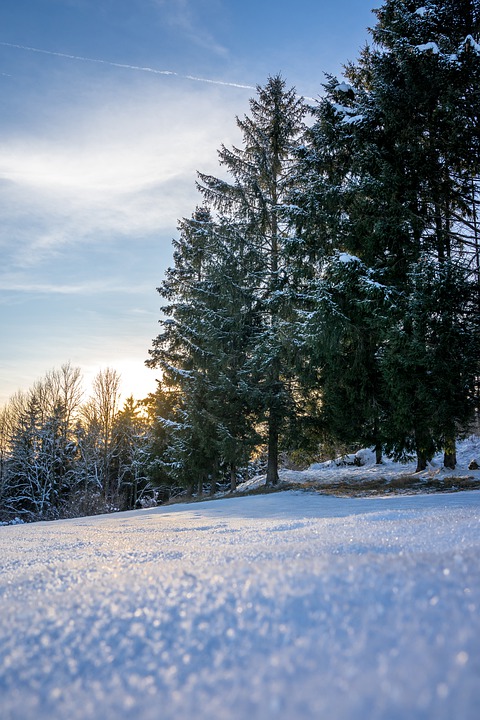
{"x": 162, "y": 411}
{"x": 179, "y": 353}
{"x": 231, "y": 322}
{"x": 253, "y": 201}
{"x": 131, "y": 439}
{"x": 432, "y": 59}
{"x": 389, "y": 170}
{"x": 202, "y": 351}
{"x": 353, "y": 311}
{"x": 32, "y": 487}
{"x": 436, "y": 60}
{"x": 342, "y": 216}
{"x": 222, "y": 343}
{"x": 429, "y": 362}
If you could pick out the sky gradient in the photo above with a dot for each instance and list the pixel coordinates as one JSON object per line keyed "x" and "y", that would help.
{"x": 108, "y": 109}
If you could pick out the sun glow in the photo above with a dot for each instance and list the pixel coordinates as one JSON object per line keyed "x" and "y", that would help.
{"x": 135, "y": 379}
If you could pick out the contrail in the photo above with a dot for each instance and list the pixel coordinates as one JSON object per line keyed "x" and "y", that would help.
{"x": 127, "y": 67}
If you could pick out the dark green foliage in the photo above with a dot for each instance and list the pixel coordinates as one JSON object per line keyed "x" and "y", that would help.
{"x": 161, "y": 408}
{"x": 261, "y": 173}
{"x": 202, "y": 352}
{"x": 430, "y": 359}
{"x": 223, "y": 342}
{"x": 355, "y": 309}
{"x": 389, "y": 175}
{"x": 343, "y": 245}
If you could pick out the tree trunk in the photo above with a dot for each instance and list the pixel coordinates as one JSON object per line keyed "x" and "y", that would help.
{"x": 133, "y": 493}
{"x": 449, "y": 447}
{"x": 424, "y": 448}
{"x": 450, "y": 459}
{"x": 272, "y": 461}
{"x": 214, "y": 476}
{"x": 476, "y": 239}
{"x": 233, "y": 478}
{"x": 378, "y": 442}
{"x": 450, "y": 455}
{"x": 421, "y": 460}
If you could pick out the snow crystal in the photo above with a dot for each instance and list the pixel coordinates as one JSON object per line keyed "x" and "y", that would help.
{"x": 421, "y": 11}
{"x": 280, "y": 606}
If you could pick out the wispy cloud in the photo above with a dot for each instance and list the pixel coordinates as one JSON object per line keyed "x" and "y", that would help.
{"x": 125, "y": 66}
{"x": 85, "y": 289}
{"x": 93, "y": 176}
{"x": 194, "y": 20}
{"x": 122, "y": 164}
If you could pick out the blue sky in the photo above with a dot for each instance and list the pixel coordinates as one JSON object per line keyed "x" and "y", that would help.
{"x": 99, "y": 147}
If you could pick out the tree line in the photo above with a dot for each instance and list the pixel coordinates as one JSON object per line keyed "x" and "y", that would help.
{"x": 62, "y": 455}
{"x": 325, "y": 291}
{"x": 327, "y": 285}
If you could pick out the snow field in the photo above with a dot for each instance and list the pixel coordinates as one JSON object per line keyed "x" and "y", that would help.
{"x": 292, "y": 605}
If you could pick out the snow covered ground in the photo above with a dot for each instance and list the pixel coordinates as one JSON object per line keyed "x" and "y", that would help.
{"x": 292, "y": 605}
{"x": 365, "y": 471}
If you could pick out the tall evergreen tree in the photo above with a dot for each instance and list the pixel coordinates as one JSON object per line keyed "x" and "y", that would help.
{"x": 434, "y": 53}
{"x": 202, "y": 350}
{"x": 429, "y": 362}
{"x": 222, "y": 342}
{"x": 389, "y": 171}
{"x": 253, "y": 199}
{"x": 161, "y": 408}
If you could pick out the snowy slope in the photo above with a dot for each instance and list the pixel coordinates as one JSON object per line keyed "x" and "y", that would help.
{"x": 293, "y": 605}
{"x": 345, "y": 469}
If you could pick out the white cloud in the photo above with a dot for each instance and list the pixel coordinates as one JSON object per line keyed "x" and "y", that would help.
{"x": 92, "y": 187}
{"x": 122, "y": 164}
{"x": 88, "y": 288}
